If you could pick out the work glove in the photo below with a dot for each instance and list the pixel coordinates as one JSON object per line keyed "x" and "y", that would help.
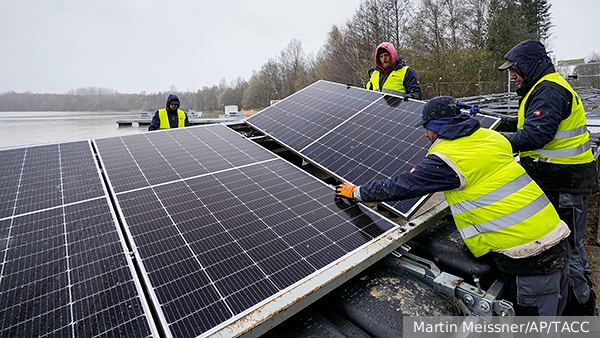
{"x": 346, "y": 190}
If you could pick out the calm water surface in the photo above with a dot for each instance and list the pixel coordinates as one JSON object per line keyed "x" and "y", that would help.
{"x": 32, "y": 128}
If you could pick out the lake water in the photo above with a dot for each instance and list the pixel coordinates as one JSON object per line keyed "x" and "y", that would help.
{"x": 33, "y": 128}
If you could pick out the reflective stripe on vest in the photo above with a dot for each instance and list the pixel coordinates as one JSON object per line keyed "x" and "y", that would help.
{"x": 564, "y": 153}
{"x": 394, "y": 84}
{"x": 506, "y": 221}
{"x": 563, "y": 134}
{"x": 500, "y": 206}
{"x": 570, "y": 144}
{"x": 163, "y": 116}
{"x": 393, "y": 92}
{"x": 493, "y": 197}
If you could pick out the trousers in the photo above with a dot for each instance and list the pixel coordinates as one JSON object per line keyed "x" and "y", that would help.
{"x": 541, "y": 295}
{"x": 573, "y": 209}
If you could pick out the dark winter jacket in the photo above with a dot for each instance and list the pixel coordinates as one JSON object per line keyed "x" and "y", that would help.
{"x": 545, "y": 108}
{"x": 411, "y": 83}
{"x": 433, "y": 174}
{"x": 430, "y": 175}
{"x": 173, "y": 117}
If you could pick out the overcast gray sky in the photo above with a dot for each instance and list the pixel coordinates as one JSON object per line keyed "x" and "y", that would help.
{"x": 148, "y": 45}
{"x": 577, "y": 24}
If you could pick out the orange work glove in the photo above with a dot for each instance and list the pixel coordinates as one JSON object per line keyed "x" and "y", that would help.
{"x": 346, "y": 190}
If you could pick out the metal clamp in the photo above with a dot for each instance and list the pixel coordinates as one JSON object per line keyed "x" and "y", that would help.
{"x": 471, "y": 300}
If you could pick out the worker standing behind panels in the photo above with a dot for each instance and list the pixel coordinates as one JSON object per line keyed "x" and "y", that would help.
{"x": 369, "y": 85}
{"x": 170, "y": 116}
{"x": 498, "y": 209}
{"x": 553, "y": 144}
{"x": 392, "y": 75}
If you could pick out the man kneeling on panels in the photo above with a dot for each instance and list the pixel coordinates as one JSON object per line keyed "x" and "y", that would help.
{"x": 498, "y": 209}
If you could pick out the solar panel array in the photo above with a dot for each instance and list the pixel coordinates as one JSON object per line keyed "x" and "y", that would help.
{"x": 220, "y": 225}
{"x": 354, "y": 134}
{"x": 64, "y": 270}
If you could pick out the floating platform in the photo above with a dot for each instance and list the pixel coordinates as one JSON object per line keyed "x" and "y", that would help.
{"x": 142, "y": 122}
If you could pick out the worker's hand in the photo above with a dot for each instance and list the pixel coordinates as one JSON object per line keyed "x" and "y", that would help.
{"x": 346, "y": 190}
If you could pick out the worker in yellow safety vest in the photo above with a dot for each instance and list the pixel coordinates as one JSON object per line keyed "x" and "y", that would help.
{"x": 392, "y": 75}
{"x": 369, "y": 85}
{"x": 553, "y": 145}
{"x": 498, "y": 209}
{"x": 170, "y": 116}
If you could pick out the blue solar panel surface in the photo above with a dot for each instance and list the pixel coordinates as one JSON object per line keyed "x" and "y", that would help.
{"x": 242, "y": 228}
{"x": 64, "y": 269}
{"x": 354, "y": 134}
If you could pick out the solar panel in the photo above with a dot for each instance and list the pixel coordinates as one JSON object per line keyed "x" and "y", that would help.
{"x": 354, "y": 134}
{"x": 230, "y": 227}
{"x": 64, "y": 269}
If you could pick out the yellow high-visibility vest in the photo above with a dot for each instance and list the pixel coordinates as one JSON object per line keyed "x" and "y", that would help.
{"x": 571, "y": 142}
{"x": 164, "y": 119}
{"x": 498, "y": 205}
{"x": 394, "y": 83}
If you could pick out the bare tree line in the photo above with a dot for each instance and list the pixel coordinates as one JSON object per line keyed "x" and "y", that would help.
{"x": 454, "y": 46}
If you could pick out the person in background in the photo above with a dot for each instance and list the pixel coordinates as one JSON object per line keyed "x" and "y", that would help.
{"x": 553, "y": 145}
{"x": 369, "y": 85}
{"x": 392, "y": 75}
{"x": 170, "y": 116}
{"x": 498, "y": 209}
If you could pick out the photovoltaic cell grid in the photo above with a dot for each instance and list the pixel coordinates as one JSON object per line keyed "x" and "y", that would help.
{"x": 243, "y": 229}
{"x": 64, "y": 271}
{"x": 354, "y": 134}
{"x": 307, "y": 115}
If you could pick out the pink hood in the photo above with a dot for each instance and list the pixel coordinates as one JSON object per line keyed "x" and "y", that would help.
{"x": 390, "y": 48}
